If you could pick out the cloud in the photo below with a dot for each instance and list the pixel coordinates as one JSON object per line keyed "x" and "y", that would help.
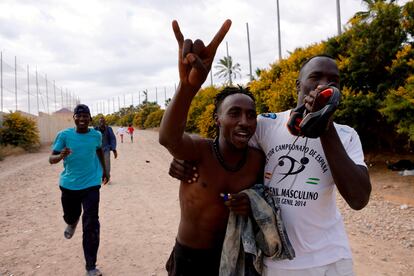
{"x": 103, "y": 49}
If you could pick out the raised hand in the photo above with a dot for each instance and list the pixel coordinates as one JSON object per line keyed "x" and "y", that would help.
{"x": 194, "y": 58}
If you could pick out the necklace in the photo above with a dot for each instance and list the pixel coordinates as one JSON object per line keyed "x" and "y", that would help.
{"x": 223, "y": 163}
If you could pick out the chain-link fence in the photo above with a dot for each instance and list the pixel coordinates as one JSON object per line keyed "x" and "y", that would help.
{"x": 25, "y": 89}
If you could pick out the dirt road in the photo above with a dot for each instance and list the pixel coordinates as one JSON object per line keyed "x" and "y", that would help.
{"x": 139, "y": 214}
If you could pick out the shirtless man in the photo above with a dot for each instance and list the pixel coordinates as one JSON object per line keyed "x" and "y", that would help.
{"x": 226, "y": 165}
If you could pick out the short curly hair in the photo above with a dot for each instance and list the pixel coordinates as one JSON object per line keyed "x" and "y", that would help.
{"x": 230, "y": 90}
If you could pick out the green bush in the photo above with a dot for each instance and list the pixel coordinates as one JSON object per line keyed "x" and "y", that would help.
{"x": 19, "y": 131}
{"x": 142, "y": 114}
{"x": 154, "y": 119}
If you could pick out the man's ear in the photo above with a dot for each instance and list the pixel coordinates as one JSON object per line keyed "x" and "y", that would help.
{"x": 216, "y": 120}
{"x": 297, "y": 86}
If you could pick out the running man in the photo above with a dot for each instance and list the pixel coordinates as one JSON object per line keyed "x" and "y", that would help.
{"x": 84, "y": 170}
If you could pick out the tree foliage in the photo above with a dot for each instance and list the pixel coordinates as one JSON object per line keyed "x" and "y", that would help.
{"x": 154, "y": 119}
{"x": 21, "y": 131}
{"x": 228, "y": 70}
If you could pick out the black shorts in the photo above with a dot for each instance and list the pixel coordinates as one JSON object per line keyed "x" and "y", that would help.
{"x": 187, "y": 261}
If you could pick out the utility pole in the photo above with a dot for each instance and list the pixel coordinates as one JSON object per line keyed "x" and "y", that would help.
{"x": 250, "y": 56}
{"x": 37, "y": 93}
{"x": 61, "y": 95}
{"x": 28, "y": 90}
{"x": 54, "y": 94}
{"x": 228, "y": 63}
{"x": 1, "y": 79}
{"x": 165, "y": 96}
{"x": 15, "y": 79}
{"x": 338, "y": 16}
{"x": 278, "y": 31}
{"x": 47, "y": 95}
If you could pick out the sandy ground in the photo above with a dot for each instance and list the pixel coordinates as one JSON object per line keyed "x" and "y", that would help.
{"x": 139, "y": 214}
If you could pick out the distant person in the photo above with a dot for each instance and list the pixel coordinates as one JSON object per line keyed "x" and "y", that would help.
{"x": 84, "y": 171}
{"x": 108, "y": 143}
{"x": 131, "y": 132}
{"x": 121, "y": 131}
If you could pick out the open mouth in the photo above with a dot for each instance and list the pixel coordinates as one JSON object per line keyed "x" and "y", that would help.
{"x": 242, "y": 136}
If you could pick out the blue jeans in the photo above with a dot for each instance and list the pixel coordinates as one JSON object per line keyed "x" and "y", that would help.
{"x": 72, "y": 202}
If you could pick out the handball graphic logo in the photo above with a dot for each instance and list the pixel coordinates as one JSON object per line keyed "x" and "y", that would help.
{"x": 291, "y": 166}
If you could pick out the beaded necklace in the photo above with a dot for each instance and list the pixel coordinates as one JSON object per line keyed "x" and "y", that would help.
{"x": 223, "y": 163}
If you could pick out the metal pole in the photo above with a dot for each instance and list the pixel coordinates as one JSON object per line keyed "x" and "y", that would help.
{"x": 15, "y": 79}
{"x": 278, "y": 31}
{"x": 250, "y": 56}
{"x": 28, "y": 90}
{"x": 338, "y": 16}
{"x": 67, "y": 99}
{"x": 211, "y": 76}
{"x": 47, "y": 96}
{"x": 228, "y": 63}
{"x": 54, "y": 94}
{"x": 165, "y": 96}
{"x": 37, "y": 92}
{"x": 1, "y": 79}
{"x": 119, "y": 104}
{"x": 61, "y": 95}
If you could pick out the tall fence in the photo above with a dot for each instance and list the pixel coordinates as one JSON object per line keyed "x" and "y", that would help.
{"x": 25, "y": 89}
{"x": 48, "y": 125}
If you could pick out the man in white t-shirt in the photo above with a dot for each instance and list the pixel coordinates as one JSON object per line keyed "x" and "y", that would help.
{"x": 302, "y": 174}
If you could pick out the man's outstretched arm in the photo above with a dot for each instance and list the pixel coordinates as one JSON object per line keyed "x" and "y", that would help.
{"x": 194, "y": 63}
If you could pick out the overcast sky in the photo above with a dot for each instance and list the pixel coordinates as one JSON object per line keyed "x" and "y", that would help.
{"x": 99, "y": 50}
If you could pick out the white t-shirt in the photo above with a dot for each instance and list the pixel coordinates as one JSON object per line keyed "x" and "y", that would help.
{"x": 299, "y": 176}
{"x": 121, "y": 131}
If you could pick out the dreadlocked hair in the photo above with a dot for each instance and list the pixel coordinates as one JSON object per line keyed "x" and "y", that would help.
{"x": 230, "y": 90}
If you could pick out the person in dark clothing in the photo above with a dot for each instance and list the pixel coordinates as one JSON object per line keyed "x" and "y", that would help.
{"x": 108, "y": 143}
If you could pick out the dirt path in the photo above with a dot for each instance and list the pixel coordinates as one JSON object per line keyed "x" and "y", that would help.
{"x": 140, "y": 212}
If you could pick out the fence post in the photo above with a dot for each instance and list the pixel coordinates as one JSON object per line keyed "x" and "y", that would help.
{"x": 1, "y": 79}
{"x": 28, "y": 90}
{"x": 47, "y": 95}
{"x": 54, "y": 94}
{"x": 15, "y": 79}
{"x": 37, "y": 93}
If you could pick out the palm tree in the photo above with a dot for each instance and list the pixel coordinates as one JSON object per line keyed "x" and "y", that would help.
{"x": 227, "y": 70}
